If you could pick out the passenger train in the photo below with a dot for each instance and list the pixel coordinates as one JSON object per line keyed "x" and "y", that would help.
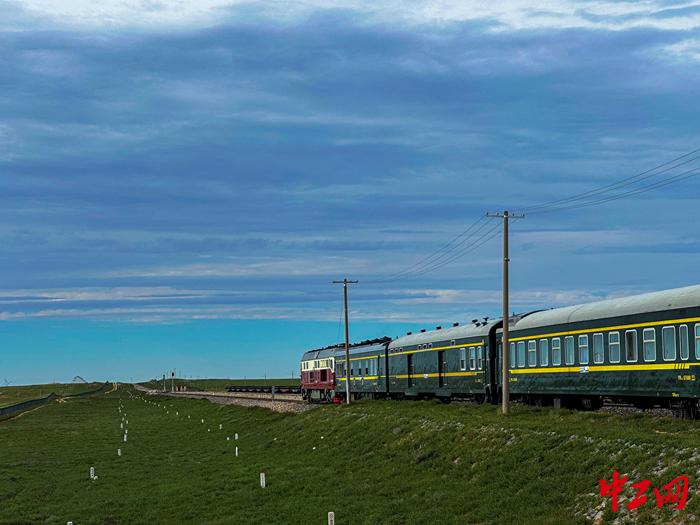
{"x": 643, "y": 350}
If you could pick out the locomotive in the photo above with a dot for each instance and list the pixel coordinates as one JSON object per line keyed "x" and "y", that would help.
{"x": 642, "y": 350}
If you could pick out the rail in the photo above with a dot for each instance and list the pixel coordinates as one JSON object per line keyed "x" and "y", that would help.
{"x": 265, "y": 389}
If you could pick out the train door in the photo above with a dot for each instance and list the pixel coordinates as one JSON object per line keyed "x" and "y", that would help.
{"x": 409, "y": 363}
{"x": 442, "y": 379}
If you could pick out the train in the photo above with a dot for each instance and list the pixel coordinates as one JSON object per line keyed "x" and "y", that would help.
{"x": 641, "y": 350}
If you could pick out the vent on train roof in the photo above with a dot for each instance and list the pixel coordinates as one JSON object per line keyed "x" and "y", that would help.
{"x": 422, "y": 330}
{"x": 455, "y": 324}
{"x": 409, "y": 333}
{"x": 438, "y": 328}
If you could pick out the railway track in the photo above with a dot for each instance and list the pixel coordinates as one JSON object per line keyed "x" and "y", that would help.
{"x": 225, "y": 397}
{"x": 265, "y": 389}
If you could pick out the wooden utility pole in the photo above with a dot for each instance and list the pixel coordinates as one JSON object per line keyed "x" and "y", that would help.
{"x": 345, "y": 283}
{"x": 505, "y": 398}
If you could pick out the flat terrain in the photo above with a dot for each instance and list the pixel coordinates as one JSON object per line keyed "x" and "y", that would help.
{"x": 10, "y": 395}
{"x": 371, "y": 463}
{"x": 214, "y": 385}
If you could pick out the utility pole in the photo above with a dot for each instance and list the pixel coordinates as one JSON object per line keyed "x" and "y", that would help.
{"x": 505, "y": 399}
{"x": 172, "y": 381}
{"x": 345, "y": 283}
{"x": 163, "y": 382}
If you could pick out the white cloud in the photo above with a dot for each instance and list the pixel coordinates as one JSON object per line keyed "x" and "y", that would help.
{"x": 509, "y": 14}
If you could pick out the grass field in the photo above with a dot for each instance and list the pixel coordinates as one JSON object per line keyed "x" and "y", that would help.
{"x": 370, "y": 463}
{"x": 10, "y": 395}
{"x": 214, "y": 385}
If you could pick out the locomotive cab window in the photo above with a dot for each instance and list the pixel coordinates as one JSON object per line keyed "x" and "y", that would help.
{"x": 556, "y": 351}
{"x": 569, "y": 350}
{"x": 614, "y": 346}
{"x": 631, "y": 346}
{"x": 582, "y": 349}
{"x": 598, "y": 348}
{"x": 668, "y": 343}
{"x": 649, "y": 344}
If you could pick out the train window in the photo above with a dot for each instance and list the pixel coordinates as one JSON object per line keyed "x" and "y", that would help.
{"x": 452, "y": 343}
{"x": 367, "y": 366}
{"x": 683, "y": 336}
{"x": 532, "y": 353}
{"x": 697, "y": 341}
{"x": 556, "y": 351}
{"x": 631, "y": 346}
{"x": 649, "y": 344}
{"x": 569, "y": 350}
{"x": 480, "y": 358}
{"x": 668, "y": 342}
{"x": 472, "y": 358}
{"x": 598, "y": 348}
{"x": 521, "y": 354}
{"x": 544, "y": 352}
{"x": 430, "y": 345}
{"x": 462, "y": 358}
{"x": 583, "y": 349}
{"x": 512, "y": 362}
{"x": 614, "y": 346}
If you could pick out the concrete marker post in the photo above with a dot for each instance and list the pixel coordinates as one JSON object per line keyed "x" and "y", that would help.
{"x": 331, "y": 518}
{"x": 263, "y": 484}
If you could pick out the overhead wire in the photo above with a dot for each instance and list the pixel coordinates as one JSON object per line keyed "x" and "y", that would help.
{"x": 628, "y": 181}
{"x": 469, "y": 239}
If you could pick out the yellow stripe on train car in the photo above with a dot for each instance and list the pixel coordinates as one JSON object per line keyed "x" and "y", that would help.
{"x": 605, "y": 329}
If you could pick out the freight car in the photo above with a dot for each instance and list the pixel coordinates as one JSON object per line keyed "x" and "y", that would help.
{"x": 642, "y": 350}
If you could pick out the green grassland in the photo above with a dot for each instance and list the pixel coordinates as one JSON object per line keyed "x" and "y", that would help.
{"x": 215, "y": 385}
{"x": 370, "y": 463}
{"x": 10, "y": 395}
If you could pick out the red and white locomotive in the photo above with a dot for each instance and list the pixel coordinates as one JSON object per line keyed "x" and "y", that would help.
{"x": 318, "y": 374}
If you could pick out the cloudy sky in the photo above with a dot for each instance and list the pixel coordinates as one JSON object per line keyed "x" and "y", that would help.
{"x": 182, "y": 180}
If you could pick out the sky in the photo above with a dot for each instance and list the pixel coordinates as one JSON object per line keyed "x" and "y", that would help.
{"x": 181, "y": 181}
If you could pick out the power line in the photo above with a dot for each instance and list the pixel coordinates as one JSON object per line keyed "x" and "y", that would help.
{"x": 476, "y": 243}
{"x": 643, "y": 189}
{"x": 469, "y": 239}
{"x": 628, "y": 181}
{"x": 434, "y": 256}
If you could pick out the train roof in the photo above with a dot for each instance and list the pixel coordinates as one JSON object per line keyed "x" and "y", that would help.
{"x": 361, "y": 349}
{"x": 637, "y": 304}
{"x": 318, "y": 354}
{"x": 446, "y": 334}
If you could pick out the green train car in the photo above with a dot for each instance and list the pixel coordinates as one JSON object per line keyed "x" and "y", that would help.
{"x": 452, "y": 363}
{"x": 367, "y": 371}
{"x": 643, "y": 349}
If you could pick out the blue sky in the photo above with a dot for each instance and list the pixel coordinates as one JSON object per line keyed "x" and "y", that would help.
{"x": 181, "y": 181}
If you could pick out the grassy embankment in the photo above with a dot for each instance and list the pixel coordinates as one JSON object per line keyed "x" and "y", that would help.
{"x": 10, "y": 395}
{"x": 214, "y": 385}
{"x": 371, "y": 463}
